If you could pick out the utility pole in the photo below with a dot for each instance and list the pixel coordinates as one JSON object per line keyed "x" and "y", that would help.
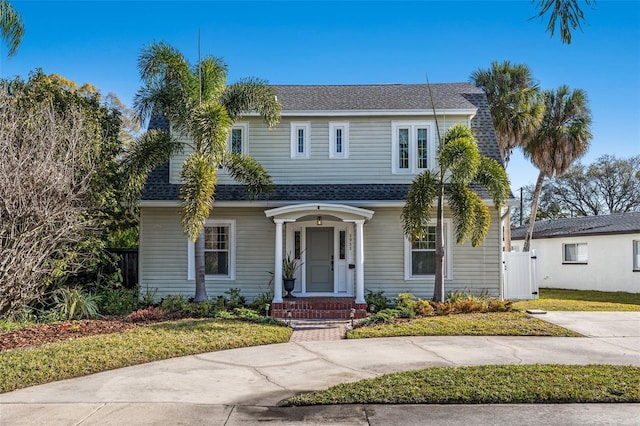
{"x": 521, "y": 205}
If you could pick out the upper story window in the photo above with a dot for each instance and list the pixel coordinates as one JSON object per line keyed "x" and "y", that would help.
{"x": 339, "y": 139}
{"x": 300, "y": 139}
{"x": 636, "y": 255}
{"x": 237, "y": 141}
{"x": 574, "y": 253}
{"x": 413, "y": 146}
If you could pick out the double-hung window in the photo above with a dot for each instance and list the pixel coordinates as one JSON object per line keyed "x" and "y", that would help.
{"x": 219, "y": 250}
{"x": 339, "y": 139}
{"x": 237, "y": 141}
{"x": 413, "y": 146}
{"x": 300, "y": 139}
{"x": 636, "y": 255}
{"x": 420, "y": 254}
{"x": 574, "y": 253}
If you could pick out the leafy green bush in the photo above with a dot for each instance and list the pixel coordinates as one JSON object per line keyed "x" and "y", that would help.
{"x": 387, "y": 315}
{"x": 260, "y": 303}
{"x": 173, "y": 303}
{"x": 497, "y": 305}
{"x": 117, "y": 301}
{"x": 376, "y": 301}
{"x": 148, "y": 299}
{"x": 406, "y": 300}
{"x": 236, "y": 300}
{"x": 253, "y": 316}
{"x": 75, "y": 303}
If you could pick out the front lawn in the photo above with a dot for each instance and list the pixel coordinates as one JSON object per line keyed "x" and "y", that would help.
{"x": 474, "y": 324}
{"x": 20, "y": 368}
{"x": 492, "y": 384}
{"x": 581, "y": 300}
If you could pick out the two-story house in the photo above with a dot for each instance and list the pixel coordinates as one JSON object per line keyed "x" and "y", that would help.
{"x": 342, "y": 159}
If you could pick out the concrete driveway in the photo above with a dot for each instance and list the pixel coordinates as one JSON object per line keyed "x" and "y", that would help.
{"x": 597, "y": 324}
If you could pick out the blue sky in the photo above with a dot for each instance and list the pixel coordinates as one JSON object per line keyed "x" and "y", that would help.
{"x": 349, "y": 43}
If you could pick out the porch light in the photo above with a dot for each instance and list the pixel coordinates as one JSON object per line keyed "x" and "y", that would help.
{"x": 319, "y": 221}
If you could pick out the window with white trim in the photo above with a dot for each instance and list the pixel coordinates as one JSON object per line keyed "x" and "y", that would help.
{"x": 636, "y": 255}
{"x": 420, "y": 254}
{"x": 300, "y": 139}
{"x": 237, "y": 140}
{"x": 219, "y": 251}
{"x": 574, "y": 253}
{"x": 413, "y": 146}
{"x": 339, "y": 139}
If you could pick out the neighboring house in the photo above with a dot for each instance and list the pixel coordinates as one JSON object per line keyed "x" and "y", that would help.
{"x": 586, "y": 253}
{"x": 342, "y": 159}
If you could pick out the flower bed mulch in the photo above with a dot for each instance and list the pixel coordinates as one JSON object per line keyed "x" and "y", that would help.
{"x": 38, "y": 334}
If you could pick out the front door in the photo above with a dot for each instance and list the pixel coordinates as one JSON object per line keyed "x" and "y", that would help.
{"x": 319, "y": 260}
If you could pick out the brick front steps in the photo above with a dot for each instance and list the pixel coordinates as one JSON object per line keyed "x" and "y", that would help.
{"x": 319, "y": 308}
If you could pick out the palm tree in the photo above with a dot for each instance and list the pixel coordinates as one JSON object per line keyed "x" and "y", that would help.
{"x": 569, "y": 13}
{"x": 562, "y": 137}
{"x": 514, "y": 102}
{"x": 199, "y": 105}
{"x": 460, "y": 164}
{"x": 11, "y": 26}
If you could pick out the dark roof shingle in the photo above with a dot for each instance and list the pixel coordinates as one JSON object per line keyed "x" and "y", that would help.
{"x": 621, "y": 223}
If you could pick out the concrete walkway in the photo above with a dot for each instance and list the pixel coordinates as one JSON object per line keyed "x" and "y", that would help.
{"x": 243, "y": 385}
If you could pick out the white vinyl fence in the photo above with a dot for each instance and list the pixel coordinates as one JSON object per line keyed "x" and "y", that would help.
{"x": 520, "y": 277}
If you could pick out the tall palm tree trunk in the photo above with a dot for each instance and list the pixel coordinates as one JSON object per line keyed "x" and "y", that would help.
{"x": 201, "y": 288}
{"x": 438, "y": 288}
{"x": 534, "y": 211}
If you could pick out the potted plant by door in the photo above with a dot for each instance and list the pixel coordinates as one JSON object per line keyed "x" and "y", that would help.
{"x": 289, "y": 268}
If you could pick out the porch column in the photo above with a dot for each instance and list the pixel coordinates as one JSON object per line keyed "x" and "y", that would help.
{"x": 359, "y": 262}
{"x": 277, "y": 267}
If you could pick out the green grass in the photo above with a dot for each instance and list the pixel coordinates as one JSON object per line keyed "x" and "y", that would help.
{"x": 476, "y": 324}
{"x": 488, "y": 385}
{"x": 582, "y": 300}
{"x": 21, "y": 368}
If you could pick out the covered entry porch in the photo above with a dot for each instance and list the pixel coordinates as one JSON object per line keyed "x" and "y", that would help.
{"x": 327, "y": 243}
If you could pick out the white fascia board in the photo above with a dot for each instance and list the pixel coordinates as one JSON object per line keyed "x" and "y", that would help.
{"x": 159, "y": 203}
{"x": 471, "y": 112}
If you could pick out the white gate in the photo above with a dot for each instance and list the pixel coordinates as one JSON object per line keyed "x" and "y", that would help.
{"x": 520, "y": 277}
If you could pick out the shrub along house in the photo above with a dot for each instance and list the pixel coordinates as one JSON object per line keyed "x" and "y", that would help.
{"x": 342, "y": 159}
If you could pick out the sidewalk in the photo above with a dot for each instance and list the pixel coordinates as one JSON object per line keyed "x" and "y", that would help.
{"x": 229, "y": 387}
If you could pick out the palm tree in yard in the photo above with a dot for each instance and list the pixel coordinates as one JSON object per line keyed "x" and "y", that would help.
{"x": 11, "y": 26}
{"x": 514, "y": 102}
{"x": 562, "y": 137}
{"x": 459, "y": 165}
{"x": 201, "y": 108}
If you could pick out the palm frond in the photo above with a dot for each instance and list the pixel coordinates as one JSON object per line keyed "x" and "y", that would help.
{"x": 11, "y": 26}
{"x": 161, "y": 62}
{"x": 199, "y": 175}
{"x": 209, "y": 126}
{"x": 153, "y": 148}
{"x": 249, "y": 172}
{"x": 459, "y": 153}
{"x": 482, "y": 221}
{"x": 416, "y": 212}
{"x": 212, "y": 72}
{"x": 567, "y": 11}
{"x": 252, "y": 94}
{"x": 462, "y": 205}
{"x": 492, "y": 176}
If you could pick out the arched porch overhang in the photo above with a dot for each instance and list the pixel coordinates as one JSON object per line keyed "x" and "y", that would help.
{"x": 342, "y": 212}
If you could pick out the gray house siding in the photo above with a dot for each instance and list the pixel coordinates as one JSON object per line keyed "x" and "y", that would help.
{"x": 164, "y": 256}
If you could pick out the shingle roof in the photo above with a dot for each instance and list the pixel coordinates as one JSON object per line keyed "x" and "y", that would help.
{"x": 621, "y": 223}
{"x": 375, "y": 97}
{"x": 367, "y": 97}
